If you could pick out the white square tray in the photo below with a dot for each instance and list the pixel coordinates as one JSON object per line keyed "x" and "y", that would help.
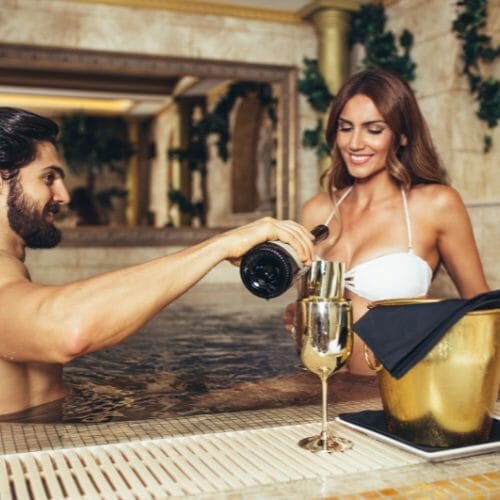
{"x": 437, "y": 455}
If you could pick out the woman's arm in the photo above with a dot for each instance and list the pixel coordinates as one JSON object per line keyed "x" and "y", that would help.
{"x": 456, "y": 243}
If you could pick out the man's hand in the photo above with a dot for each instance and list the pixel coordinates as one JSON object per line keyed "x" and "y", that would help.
{"x": 238, "y": 241}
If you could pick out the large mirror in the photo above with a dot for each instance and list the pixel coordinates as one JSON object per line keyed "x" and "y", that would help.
{"x": 159, "y": 141}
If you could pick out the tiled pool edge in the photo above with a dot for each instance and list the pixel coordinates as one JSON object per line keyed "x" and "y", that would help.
{"x": 20, "y": 438}
{"x": 472, "y": 477}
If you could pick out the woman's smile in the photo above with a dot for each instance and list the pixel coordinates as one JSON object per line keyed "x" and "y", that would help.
{"x": 359, "y": 159}
{"x": 363, "y": 137}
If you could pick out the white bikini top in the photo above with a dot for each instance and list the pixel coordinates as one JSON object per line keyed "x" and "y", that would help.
{"x": 396, "y": 275}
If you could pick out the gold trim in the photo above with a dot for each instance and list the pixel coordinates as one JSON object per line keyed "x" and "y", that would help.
{"x": 402, "y": 302}
{"x": 64, "y": 103}
{"x": 202, "y": 7}
{"x": 371, "y": 364}
{"x": 339, "y": 5}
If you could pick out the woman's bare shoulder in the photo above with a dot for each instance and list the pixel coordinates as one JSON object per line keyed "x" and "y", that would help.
{"x": 319, "y": 200}
{"x": 317, "y": 208}
{"x": 437, "y": 198}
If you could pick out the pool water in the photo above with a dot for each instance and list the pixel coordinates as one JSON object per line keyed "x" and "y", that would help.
{"x": 213, "y": 339}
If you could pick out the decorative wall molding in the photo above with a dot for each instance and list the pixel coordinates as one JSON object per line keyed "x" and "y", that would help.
{"x": 482, "y": 204}
{"x": 206, "y": 8}
{"x": 35, "y": 58}
{"x": 117, "y": 236}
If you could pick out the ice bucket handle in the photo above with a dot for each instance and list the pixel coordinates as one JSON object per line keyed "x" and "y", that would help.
{"x": 369, "y": 362}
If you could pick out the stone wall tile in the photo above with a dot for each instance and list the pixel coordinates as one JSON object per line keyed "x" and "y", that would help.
{"x": 41, "y": 27}
{"x": 133, "y": 33}
{"x": 475, "y": 175}
{"x": 426, "y": 19}
{"x": 467, "y": 131}
{"x": 436, "y": 114}
{"x": 308, "y": 176}
{"x": 487, "y": 233}
{"x": 487, "y": 230}
{"x": 493, "y": 25}
{"x": 437, "y": 66}
{"x": 452, "y": 120}
{"x": 241, "y": 47}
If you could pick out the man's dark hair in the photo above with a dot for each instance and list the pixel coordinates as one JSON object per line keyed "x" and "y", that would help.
{"x": 20, "y": 131}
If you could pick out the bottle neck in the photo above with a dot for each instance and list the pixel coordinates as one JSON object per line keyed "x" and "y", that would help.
{"x": 320, "y": 233}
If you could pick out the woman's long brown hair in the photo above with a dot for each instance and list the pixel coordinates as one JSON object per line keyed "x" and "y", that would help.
{"x": 417, "y": 162}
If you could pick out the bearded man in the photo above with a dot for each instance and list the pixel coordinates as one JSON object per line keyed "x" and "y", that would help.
{"x": 44, "y": 327}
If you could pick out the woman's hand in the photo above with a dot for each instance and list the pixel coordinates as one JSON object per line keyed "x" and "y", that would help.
{"x": 289, "y": 318}
{"x": 290, "y": 323}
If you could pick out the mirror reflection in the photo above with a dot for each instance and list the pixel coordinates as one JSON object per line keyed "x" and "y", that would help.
{"x": 182, "y": 151}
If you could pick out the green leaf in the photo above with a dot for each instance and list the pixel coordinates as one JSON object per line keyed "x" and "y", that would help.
{"x": 477, "y": 47}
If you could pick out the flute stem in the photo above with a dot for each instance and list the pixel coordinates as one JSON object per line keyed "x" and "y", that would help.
{"x": 324, "y": 405}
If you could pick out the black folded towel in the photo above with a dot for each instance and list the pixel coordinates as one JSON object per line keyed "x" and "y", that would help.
{"x": 401, "y": 335}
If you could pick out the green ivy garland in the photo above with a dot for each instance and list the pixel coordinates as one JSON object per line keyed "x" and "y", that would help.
{"x": 186, "y": 206}
{"x": 381, "y": 51}
{"x": 477, "y": 47}
{"x": 194, "y": 156}
{"x": 314, "y": 87}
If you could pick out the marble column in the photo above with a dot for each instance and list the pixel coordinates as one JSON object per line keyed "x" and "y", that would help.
{"x": 331, "y": 18}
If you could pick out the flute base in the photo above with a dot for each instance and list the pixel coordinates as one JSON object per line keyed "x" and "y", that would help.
{"x": 328, "y": 443}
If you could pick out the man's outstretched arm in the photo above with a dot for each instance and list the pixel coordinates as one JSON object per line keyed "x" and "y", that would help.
{"x": 56, "y": 324}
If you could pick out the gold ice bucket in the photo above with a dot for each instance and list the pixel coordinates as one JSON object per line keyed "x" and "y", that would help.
{"x": 447, "y": 399}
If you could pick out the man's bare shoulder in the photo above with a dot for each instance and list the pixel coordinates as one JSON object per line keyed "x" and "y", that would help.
{"x": 12, "y": 269}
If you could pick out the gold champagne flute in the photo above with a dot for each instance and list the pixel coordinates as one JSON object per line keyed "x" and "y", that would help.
{"x": 326, "y": 328}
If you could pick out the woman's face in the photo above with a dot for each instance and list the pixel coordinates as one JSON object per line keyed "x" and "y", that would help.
{"x": 363, "y": 137}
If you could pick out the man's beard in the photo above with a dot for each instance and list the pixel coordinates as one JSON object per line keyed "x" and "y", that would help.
{"x": 27, "y": 221}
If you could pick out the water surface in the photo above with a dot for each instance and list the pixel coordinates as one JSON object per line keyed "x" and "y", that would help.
{"x": 212, "y": 339}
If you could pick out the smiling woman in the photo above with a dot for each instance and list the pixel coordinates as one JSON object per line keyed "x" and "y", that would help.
{"x": 400, "y": 220}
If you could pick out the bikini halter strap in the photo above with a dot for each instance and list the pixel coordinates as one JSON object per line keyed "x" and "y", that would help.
{"x": 340, "y": 200}
{"x": 408, "y": 220}
{"x": 405, "y": 205}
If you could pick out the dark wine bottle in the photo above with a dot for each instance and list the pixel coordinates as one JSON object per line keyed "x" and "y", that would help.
{"x": 269, "y": 269}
